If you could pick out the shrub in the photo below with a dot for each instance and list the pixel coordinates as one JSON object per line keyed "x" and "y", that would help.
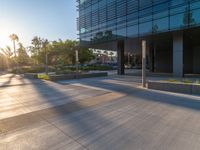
{"x": 43, "y": 76}
{"x": 35, "y": 69}
{"x": 187, "y": 81}
{"x": 88, "y": 68}
{"x": 197, "y": 82}
{"x": 172, "y": 80}
{"x": 65, "y": 71}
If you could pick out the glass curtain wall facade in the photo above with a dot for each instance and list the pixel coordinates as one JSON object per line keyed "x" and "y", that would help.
{"x": 108, "y": 20}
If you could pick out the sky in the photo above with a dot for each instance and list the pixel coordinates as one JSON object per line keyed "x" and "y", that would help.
{"x": 51, "y": 19}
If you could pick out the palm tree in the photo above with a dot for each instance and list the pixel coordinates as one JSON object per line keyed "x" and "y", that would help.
{"x": 14, "y": 38}
{"x": 111, "y": 56}
{"x": 105, "y": 57}
{"x": 106, "y": 53}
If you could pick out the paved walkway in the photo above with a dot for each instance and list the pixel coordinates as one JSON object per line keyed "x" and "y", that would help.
{"x": 95, "y": 114}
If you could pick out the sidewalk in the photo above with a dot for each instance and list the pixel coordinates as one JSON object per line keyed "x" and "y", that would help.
{"x": 96, "y": 114}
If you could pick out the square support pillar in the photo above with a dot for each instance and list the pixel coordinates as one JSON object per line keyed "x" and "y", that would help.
{"x": 152, "y": 57}
{"x": 120, "y": 57}
{"x": 178, "y": 54}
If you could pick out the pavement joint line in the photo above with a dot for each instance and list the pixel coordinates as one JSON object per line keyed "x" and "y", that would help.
{"x": 113, "y": 129}
{"x": 64, "y": 133}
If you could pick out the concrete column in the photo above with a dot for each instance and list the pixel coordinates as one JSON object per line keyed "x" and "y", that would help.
{"x": 120, "y": 57}
{"x": 151, "y": 57}
{"x": 178, "y": 55}
{"x": 144, "y": 47}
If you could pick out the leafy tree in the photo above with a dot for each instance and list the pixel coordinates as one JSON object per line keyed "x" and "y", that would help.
{"x": 4, "y": 64}
{"x": 155, "y": 28}
{"x": 188, "y": 17}
{"x": 7, "y": 56}
{"x": 23, "y": 58}
{"x": 35, "y": 48}
{"x": 85, "y": 55}
{"x": 63, "y": 52}
{"x": 7, "y": 51}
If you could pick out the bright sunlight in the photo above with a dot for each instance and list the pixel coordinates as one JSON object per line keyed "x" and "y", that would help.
{"x": 5, "y": 30}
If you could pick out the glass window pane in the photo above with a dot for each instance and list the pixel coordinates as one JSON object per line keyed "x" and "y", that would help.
{"x": 132, "y": 31}
{"x": 160, "y": 25}
{"x": 145, "y": 28}
{"x": 178, "y": 21}
{"x": 121, "y": 33}
{"x": 194, "y": 17}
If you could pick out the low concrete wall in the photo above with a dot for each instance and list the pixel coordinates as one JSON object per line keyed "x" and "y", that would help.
{"x": 174, "y": 87}
{"x": 196, "y": 89}
{"x": 30, "y": 75}
{"x": 75, "y": 76}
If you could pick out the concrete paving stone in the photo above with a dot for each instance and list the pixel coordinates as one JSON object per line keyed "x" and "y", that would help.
{"x": 54, "y": 112}
{"x": 84, "y": 125}
{"x": 41, "y": 106}
{"x": 177, "y": 120}
{"x": 35, "y": 139}
{"x": 40, "y": 101}
{"x": 178, "y": 140}
{"x": 133, "y": 135}
{"x": 192, "y": 124}
{"x": 13, "y": 107}
{"x": 72, "y": 146}
{"x": 4, "y": 102}
{"x": 12, "y": 113}
{"x": 98, "y": 109}
{"x": 78, "y": 105}
{"x": 101, "y": 132}
{"x": 18, "y": 122}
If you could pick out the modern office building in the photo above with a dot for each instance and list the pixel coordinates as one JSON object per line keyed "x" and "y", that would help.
{"x": 170, "y": 27}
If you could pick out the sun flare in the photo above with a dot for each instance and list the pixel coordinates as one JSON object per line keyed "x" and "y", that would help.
{"x": 5, "y": 31}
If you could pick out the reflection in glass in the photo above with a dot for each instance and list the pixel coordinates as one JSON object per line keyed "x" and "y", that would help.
{"x": 132, "y": 31}
{"x": 145, "y": 28}
{"x": 160, "y": 25}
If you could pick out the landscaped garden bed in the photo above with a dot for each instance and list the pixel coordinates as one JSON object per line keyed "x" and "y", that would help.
{"x": 76, "y": 76}
{"x": 64, "y": 72}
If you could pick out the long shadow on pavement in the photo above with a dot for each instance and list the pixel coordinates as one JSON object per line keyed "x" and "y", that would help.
{"x": 147, "y": 95}
{"x": 7, "y": 81}
{"x": 82, "y": 126}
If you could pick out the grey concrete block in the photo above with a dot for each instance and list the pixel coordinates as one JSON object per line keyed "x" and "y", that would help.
{"x": 76, "y": 76}
{"x": 171, "y": 87}
{"x": 30, "y": 75}
{"x": 196, "y": 89}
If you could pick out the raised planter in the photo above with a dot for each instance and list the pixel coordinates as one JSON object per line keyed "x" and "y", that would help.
{"x": 196, "y": 89}
{"x": 76, "y": 76}
{"x": 174, "y": 87}
{"x": 30, "y": 75}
